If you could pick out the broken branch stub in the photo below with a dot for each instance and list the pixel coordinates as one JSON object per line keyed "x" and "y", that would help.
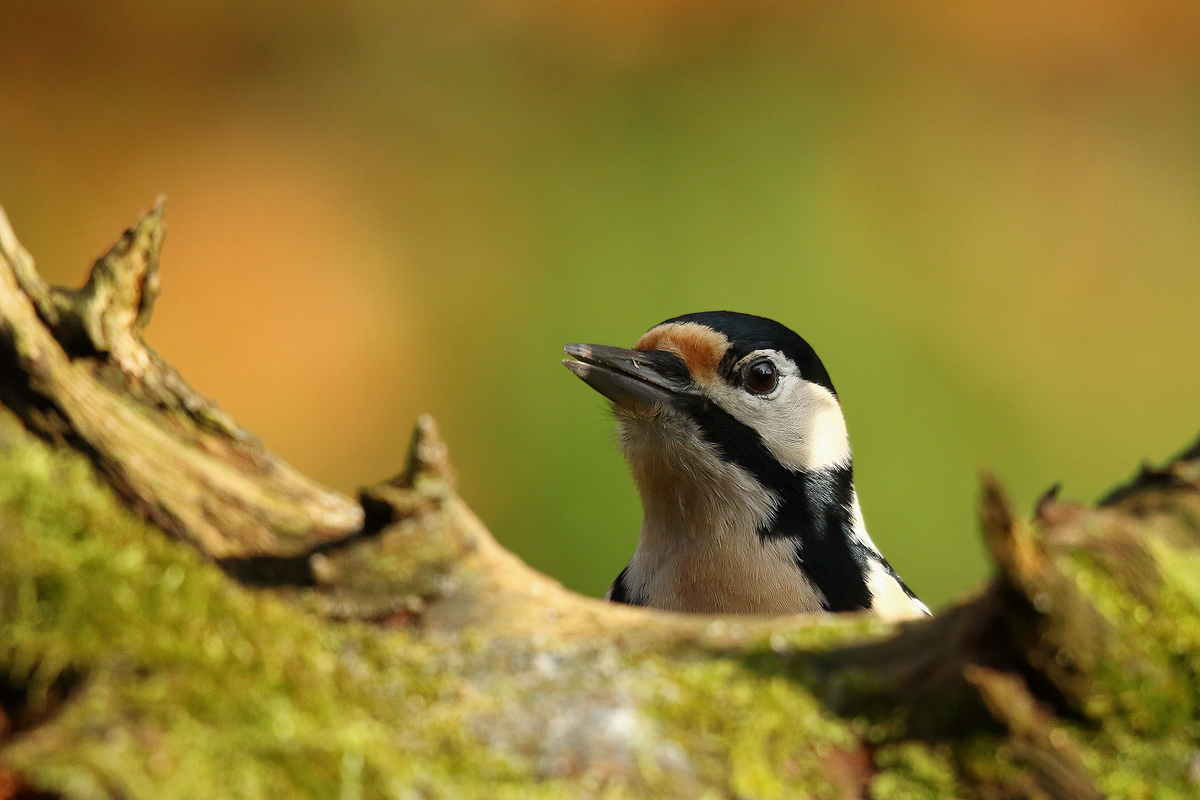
{"x": 76, "y": 367}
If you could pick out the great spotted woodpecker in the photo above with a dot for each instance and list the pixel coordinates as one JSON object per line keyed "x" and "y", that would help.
{"x": 738, "y": 447}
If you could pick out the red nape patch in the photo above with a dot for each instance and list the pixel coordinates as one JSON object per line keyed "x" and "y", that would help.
{"x": 700, "y": 347}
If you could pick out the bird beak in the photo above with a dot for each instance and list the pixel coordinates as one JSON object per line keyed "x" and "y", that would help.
{"x": 634, "y": 380}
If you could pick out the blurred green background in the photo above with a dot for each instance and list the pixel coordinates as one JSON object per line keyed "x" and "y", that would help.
{"x": 985, "y": 217}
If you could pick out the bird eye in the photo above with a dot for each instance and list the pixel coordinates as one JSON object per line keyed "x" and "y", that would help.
{"x": 760, "y": 376}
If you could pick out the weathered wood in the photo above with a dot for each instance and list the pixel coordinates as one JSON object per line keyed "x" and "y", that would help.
{"x": 287, "y": 641}
{"x": 76, "y": 367}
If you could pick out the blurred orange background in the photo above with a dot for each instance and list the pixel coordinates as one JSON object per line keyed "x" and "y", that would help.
{"x": 985, "y": 217}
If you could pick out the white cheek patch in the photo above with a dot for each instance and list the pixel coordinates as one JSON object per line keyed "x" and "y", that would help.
{"x": 858, "y": 526}
{"x": 888, "y": 598}
{"x": 801, "y": 423}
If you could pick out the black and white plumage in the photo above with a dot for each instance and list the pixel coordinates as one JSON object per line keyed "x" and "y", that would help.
{"x": 738, "y": 447}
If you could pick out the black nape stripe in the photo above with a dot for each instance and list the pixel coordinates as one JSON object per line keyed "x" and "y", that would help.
{"x": 619, "y": 593}
{"x": 815, "y": 509}
{"x": 817, "y": 514}
{"x": 888, "y": 568}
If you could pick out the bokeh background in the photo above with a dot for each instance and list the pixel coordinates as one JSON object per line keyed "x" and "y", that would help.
{"x": 984, "y": 216}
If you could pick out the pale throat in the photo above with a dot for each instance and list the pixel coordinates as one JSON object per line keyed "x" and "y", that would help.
{"x": 700, "y": 547}
{"x": 688, "y": 491}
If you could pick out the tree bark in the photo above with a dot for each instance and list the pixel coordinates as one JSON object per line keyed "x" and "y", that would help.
{"x": 184, "y": 615}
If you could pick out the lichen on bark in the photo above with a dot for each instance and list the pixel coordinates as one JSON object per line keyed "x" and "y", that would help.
{"x": 305, "y": 644}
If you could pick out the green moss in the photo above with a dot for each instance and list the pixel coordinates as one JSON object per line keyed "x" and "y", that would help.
{"x": 912, "y": 771}
{"x": 1148, "y": 680}
{"x": 1145, "y": 695}
{"x": 984, "y": 761}
{"x": 755, "y": 734}
{"x": 191, "y": 685}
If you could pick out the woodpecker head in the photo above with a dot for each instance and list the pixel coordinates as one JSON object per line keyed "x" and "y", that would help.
{"x": 737, "y": 443}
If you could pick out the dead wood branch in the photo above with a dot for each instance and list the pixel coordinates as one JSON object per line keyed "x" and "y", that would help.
{"x": 286, "y": 640}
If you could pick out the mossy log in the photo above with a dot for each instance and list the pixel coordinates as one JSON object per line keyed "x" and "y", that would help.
{"x": 183, "y": 615}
